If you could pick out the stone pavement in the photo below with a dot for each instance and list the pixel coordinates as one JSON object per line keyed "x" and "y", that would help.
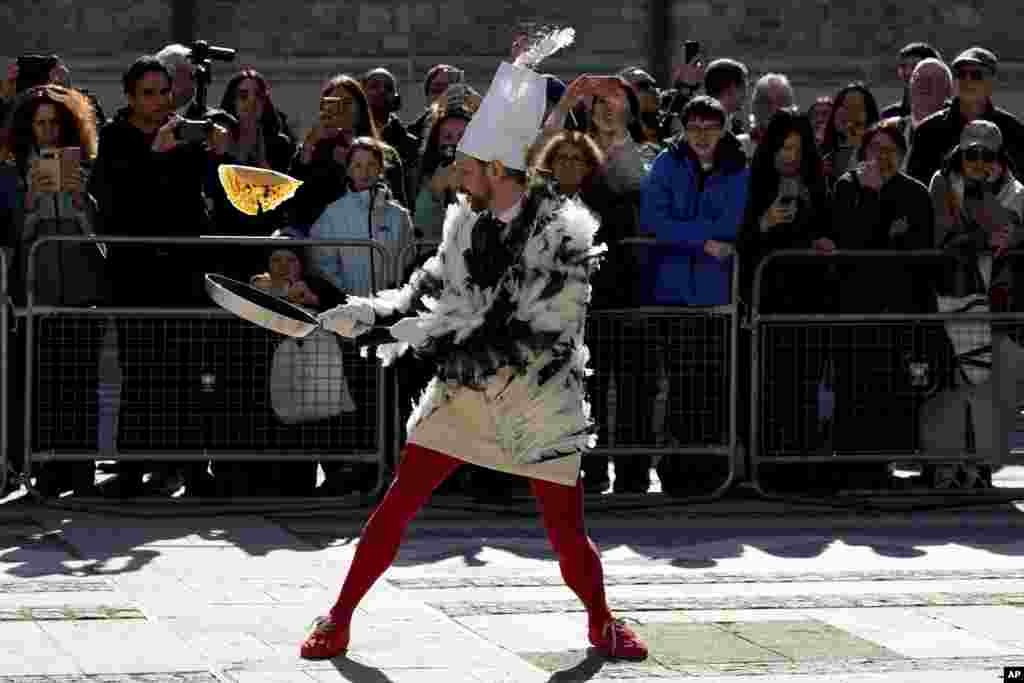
{"x": 737, "y": 591}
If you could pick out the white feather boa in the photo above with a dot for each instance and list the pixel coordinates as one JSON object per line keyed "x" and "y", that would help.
{"x": 534, "y": 421}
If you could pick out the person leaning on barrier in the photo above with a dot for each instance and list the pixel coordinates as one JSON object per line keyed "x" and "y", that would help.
{"x": 974, "y": 71}
{"x": 51, "y": 200}
{"x": 148, "y": 181}
{"x": 787, "y": 208}
{"x": 364, "y": 212}
{"x": 693, "y": 202}
{"x": 979, "y": 206}
{"x": 876, "y": 207}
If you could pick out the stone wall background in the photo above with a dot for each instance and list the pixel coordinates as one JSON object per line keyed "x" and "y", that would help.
{"x": 821, "y": 44}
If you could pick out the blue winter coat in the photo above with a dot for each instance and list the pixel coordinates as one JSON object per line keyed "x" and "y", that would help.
{"x": 684, "y": 206}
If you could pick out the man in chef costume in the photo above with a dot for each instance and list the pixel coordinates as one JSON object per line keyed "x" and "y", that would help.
{"x": 500, "y": 309}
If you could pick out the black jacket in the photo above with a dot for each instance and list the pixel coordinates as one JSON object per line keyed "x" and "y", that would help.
{"x": 940, "y": 133}
{"x": 897, "y": 218}
{"x": 140, "y": 192}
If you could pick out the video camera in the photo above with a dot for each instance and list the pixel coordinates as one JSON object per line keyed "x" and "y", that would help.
{"x": 201, "y": 55}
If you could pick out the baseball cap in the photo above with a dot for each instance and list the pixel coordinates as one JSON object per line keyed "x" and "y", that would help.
{"x": 979, "y": 56}
{"x": 983, "y": 133}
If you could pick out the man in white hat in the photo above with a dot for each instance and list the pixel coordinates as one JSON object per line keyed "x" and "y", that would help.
{"x": 500, "y": 308}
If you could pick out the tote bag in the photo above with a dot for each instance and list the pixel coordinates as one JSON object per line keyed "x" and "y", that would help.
{"x": 307, "y": 380}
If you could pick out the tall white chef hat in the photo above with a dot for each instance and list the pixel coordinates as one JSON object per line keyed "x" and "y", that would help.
{"x": 510, "y": 116}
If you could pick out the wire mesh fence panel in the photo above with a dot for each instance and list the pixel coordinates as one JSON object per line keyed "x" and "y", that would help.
{"x": 848, "y": 389}
{"x": 661, "y": 379}
{"x": 208, "y": 383}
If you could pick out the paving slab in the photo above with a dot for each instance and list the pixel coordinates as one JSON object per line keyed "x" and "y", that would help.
{"x": 913, "y": 634}
{"x": 27, "y": 649}
{"x": 101, "y": 647}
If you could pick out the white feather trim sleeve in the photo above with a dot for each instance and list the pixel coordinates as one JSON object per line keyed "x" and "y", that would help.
{"x": 555, "y": 291}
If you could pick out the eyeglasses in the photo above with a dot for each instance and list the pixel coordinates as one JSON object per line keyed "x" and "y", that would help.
{"x": 979, "y": 154}
{"x": 971, "y": 75}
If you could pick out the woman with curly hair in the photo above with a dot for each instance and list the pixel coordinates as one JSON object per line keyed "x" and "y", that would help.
{"x": 53, "y": 139}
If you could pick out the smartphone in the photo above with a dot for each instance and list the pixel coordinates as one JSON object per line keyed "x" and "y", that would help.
{"x": 330, "y": 112}
{"x": 189, "y": 130}
{"x": 691, "y": 48}
{"x": 49, "y": 163}
{"x": 34, "y": 70}
{"x": 70, "y": 161}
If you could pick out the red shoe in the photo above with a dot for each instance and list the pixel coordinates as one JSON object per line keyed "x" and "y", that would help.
{"x": 618, "y": 641}
{"x": 326, "y": 640}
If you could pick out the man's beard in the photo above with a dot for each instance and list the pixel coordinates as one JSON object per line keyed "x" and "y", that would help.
{"x": 479, "y": 202}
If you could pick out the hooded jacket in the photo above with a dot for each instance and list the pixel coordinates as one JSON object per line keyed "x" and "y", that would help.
{"x": 685, "y": 206}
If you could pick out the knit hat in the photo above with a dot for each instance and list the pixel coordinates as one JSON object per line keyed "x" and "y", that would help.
{"x": 983, "y": 133}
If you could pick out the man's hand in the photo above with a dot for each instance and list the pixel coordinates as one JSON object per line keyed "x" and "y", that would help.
{"x": 218, "y": 139}
{"x": 8, "y": 88}
{"x": 165, "y": 140}
{"x": 348, "y": 320}
{"x": 719, "y": 250}
{"x": 824, "y": 246}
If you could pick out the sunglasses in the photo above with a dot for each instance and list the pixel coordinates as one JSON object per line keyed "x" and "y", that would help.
{"x": 979, "y": 154}
{"x": 971, "y": 75}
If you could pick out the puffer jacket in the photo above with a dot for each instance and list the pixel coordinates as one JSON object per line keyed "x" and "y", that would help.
{"x": 684, "y": 207}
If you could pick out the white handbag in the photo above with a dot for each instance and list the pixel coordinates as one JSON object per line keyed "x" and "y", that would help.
{"x": 307, "y": 380}
{"x": 972, "y": 341}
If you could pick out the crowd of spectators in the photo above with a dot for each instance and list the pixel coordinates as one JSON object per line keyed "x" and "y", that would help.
{"x": 716, "y": 168}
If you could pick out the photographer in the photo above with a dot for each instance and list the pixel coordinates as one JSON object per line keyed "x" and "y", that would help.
{"x": 148, "y": 180}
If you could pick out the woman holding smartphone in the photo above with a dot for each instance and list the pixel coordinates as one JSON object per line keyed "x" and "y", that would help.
{"x": 322, "y": 159}
{"x": 53, "y": 137}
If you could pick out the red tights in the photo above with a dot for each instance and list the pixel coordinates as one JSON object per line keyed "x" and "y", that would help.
{"x": 422, "y": 470}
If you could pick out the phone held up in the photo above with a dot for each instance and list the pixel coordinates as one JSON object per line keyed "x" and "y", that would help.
{"x": 192, "y": 131}
{"x": 56, "y": 163}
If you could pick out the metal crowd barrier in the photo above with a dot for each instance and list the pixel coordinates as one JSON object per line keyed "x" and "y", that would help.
{"x": 5, "y": 306}
{"x": 685, "y": 360}
{"x": 196, "y": 384}
{"x": 840, "y": 395}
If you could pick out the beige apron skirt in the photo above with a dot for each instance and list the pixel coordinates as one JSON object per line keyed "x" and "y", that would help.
{"x": 465, "y": 427}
